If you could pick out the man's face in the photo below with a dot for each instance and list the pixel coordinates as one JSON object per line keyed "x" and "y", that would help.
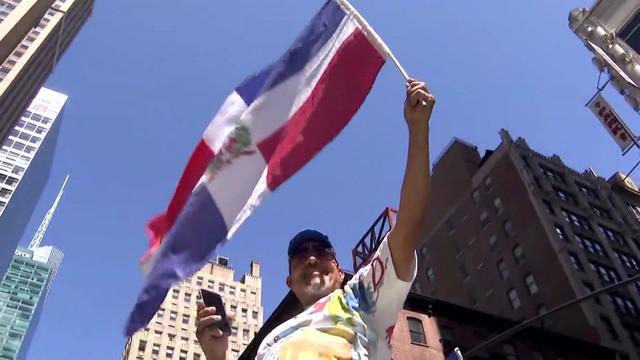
{"x": 313, "y": 273}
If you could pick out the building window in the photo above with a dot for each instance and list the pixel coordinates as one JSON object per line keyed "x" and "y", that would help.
{"x": 509, "y": 352}
{"x": 605, "y": 273}
{"x": 493, "y": 241}
{"x": 185, "y": 319}
{"x": 234, "y": 330}
{"x": 254, "y": 315}
{"x": 142, "y": 346}
{"x": 560, "y": 232}
{"x": 488, "y": 183}
{"x": 160, "y": 312}
{"x": 628, "y": 261}
{"x": 187, "y": 297}
{"x": 484, "y": 219}
{"x": 541, "y": 309}
{"x": 416, "y": 331}
{"x": 635, "y": 210}
{"x": 588, "y": 191}
{"x": 613, "y": 235}
{"x": 169, "y": 352}
{"x": 630, "y": 34}
{"x": 183, "y": 355}
{"x": 508, "y": 228}
{"x": 601, "y": 212}
{"x": 243, "y": 293}
{"x": 552, "y": 175}
{"x": 245, "y": 334}
{"x": 210, "y": 284}
{"x": 518, "y": 254}
{"x": 531, "y": 284}
{"x": 624, "y": 305}
{"x": 503, "y": 270}
{"x": 221, "y": 288}
{"x": 430, "y": 274}
{"x": 576, "y": 262}
{"x": 513, "y": 298}
{"x": 588, "y": 287}
{"x": 476, "y": 196}
{"x": 565, "y": 196}
{"x": 173, "y": 315}
{"x": 548, "y": 208}
{"x": 610, "y": 328}
{"x": 243, "y": 311}
{"x": 498, "y": 204}
{"x": 576, "y": 220}
{"x": 232, "y": 290}
{"x": 175, "y": 293}
{"x": 155, "y": 349}
{"x": 592, "y": 246}
{"x": 199, "y": 281}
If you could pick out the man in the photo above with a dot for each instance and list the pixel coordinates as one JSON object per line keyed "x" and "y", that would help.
{"x": 355, "y": 321}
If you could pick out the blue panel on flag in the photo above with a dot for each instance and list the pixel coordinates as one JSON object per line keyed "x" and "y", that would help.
{"x": 305, "y": 48}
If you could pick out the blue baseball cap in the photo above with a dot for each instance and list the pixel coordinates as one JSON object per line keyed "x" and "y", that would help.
{"x": 307, "y": 236}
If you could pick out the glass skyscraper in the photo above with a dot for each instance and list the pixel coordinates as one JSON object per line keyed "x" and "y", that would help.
{"x": 26, "y": 157}
{"x": 23, "y": 291}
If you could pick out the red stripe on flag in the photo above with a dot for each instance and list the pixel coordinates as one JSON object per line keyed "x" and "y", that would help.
{"x": 337, "y": 96}
{"x": 160, "y": 225}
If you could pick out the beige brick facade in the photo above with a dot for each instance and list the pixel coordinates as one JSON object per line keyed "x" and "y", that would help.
{"x": 171, "y": 333}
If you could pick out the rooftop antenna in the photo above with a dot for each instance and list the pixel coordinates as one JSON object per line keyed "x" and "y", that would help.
{"x": 42, "y": 229}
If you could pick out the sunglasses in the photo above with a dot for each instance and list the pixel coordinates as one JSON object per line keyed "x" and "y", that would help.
{"x": 319, "y": 251}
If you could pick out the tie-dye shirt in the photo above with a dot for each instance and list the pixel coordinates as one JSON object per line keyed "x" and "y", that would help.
{"x": 351, "y": 323}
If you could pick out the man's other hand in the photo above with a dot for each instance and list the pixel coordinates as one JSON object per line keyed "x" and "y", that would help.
{"x": 214, "y": 343}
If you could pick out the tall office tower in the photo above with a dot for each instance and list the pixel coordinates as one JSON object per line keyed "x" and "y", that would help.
{"x": 24, "y": 289}
{"x": 23, "y": 292}
{"x": 33, "y": 36}
{"x": 171, "y": 333}
{"x": 26, "y": 157}
{"x": 515, "y": 232}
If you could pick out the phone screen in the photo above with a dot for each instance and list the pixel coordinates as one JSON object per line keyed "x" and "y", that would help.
{"x": 210, "y": 298}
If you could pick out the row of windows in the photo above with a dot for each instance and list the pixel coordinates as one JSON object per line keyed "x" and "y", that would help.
{"x": 25, "y": 136}
{"x": 624, "y": 305}
{"x": 556, "y": 176}
{"x": 531, "y": 285}
{"x": 418, "y": 337}
{"x": 222, "y": 287}
{"x": 577, "y": 220}
{"x": 170, "y": 351}
{"x": 175, "y": 294}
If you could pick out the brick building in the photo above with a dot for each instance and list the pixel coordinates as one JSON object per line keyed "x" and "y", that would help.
{"x": 514, "y": 233}
{"x": 429, "y": 329}
{"x": 171, "y": 334}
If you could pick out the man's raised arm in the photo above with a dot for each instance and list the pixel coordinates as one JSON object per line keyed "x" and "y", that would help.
{"x": 409, "y": 229}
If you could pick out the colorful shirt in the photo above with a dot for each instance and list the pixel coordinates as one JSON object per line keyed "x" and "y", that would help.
{"x": 351, "y": 323}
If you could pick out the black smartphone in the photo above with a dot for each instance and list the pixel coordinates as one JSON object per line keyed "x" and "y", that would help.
{"x": 210, "y": 298}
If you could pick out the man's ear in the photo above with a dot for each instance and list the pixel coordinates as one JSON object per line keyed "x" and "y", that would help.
{"x": 341, "y": 274}
{"x": 289, "y": 281}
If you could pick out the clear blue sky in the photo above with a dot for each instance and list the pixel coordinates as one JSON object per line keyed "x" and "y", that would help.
{"x": 145, "y": 77}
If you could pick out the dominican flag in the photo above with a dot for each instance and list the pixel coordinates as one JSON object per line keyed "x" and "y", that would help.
{"x": 270, "y": 126}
